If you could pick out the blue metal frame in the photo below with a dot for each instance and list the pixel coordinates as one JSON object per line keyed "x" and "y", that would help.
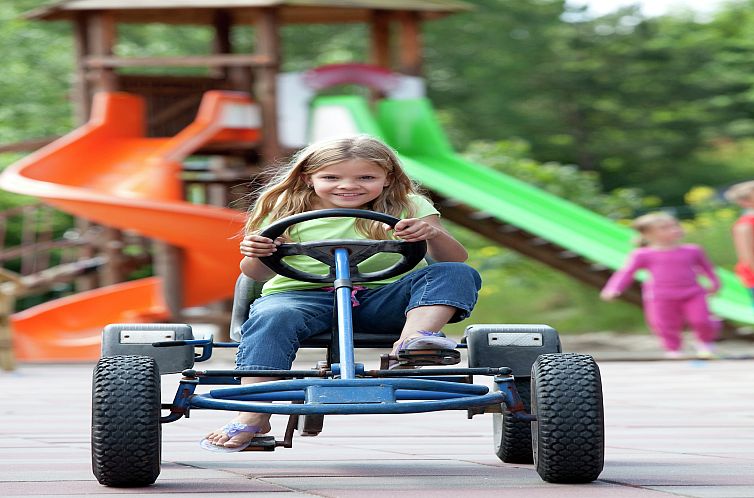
{"x": 342, "y": 392}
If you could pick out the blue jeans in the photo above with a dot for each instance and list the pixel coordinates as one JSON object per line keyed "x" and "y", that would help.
{"x": 279, "y": 323}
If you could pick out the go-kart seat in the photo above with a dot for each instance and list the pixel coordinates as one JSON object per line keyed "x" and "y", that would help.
{"x": 248, "y": 289}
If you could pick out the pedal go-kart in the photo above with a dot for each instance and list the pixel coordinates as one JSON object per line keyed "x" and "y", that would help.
{"x": 546, "y": 405}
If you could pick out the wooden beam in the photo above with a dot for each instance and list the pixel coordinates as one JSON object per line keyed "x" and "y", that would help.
{"x": 410, "y": 44}
{"x": 268, "y": 45}
{"x": 380, "y": 47}
{"x": 219, "y": 60}
{"x": 82, "y": 92}
{"x": 221, "y": 44}
{"x": 102, "y": 36}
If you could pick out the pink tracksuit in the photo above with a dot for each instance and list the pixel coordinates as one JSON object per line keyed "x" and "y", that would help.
{"x": 672, "y": 295}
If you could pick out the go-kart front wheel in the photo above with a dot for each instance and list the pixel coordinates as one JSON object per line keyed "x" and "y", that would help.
{"x": 569, "y": 433}
{"x": 126, "y": 430}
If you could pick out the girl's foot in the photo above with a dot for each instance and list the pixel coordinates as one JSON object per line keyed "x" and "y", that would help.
{"x": 426, "y": 339}
{"x": 427, "y": 348}
{"x": 239, "y": 431}
{"x": 673, "y": 355}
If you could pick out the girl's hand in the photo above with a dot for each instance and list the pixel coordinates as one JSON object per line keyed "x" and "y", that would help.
{"x": 415, "y": 229}
{"x": 254, "y": 246}
{"x": 712, "y": 290}
{"x": 607, "y": 295}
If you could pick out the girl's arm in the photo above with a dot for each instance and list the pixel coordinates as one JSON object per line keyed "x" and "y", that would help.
{"x": 709, "y": 271}
{"x": 743, "y": 240}
{"x": 621, "y": 279}
{"x": 254, "y": 247}
{"x": 441, "y": 246}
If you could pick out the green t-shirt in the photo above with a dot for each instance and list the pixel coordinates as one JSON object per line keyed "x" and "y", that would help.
{"x": 344, "y": 229}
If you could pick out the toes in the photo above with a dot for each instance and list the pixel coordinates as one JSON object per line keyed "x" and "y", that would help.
{"x": 217, "y": 438}
{"x": 238, "y": 440}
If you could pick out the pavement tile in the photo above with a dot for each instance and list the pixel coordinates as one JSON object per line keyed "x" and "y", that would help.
{"x": 715, "y": 491}
{"x": 553, "y": 491}
{"x": 184, "y": 494}
{"x": 189, "y": 485}
{"x": 660, "y": 441}
{"x": 371, "y": 468}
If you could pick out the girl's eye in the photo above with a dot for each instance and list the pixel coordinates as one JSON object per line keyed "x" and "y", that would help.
{"x": 367, "y": 178}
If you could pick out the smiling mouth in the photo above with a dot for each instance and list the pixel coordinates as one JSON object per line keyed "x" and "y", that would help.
{"x": 347, "y": 195}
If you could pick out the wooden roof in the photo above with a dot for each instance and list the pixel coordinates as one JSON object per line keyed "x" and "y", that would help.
{"x": 244, "y": 11}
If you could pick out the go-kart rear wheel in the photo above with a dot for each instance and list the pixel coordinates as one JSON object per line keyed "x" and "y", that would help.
{"x": 126, "y": 430}
{"x": 569, "y": 433}
{"x": 512, "y": 437}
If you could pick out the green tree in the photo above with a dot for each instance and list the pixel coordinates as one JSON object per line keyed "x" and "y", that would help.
{"x": 36, "y": 75}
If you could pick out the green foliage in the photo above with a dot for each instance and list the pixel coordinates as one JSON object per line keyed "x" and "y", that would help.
{"x": 645, "y": 102}
{"x": 486, "y": 68}
{"x": 35, "y": 77}
{"x": 582, "y": 187}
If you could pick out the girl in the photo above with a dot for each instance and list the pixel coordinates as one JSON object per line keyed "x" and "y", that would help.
{"x": 672, "y": 296}
{"x": 743, "y": 232}
{"x": 355, "y": 172}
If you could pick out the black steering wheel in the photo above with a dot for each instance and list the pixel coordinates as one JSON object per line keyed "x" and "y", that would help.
{"x": 324, "y": 251}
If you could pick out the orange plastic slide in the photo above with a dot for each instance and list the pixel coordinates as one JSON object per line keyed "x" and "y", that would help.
{"x": 109, "y": 172}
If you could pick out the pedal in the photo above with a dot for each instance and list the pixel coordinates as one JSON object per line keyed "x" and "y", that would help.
{"x": 262, "y": 443}
{"x": 428, "y": 357}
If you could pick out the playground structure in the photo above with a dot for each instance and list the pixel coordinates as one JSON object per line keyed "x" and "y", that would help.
{"x": 126, "y": 167}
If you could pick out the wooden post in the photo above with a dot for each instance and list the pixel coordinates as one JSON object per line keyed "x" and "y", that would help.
{"x": 168, "y": 263}
{"x": 410, "y": 51}
{"x": 90, "y": 281}
{"x": 380, "y": 47}
{"x": 268, "y": 44}
{"x": 114, "y": 271}
{"x": 7, "y": 307}
{"x": 82, "y": 95}
{"x": 28, "y": 237}
{"x": 222, "y": 23}
{"x": 102, "y": 35}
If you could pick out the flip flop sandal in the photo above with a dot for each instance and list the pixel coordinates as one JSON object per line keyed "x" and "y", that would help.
{"x": 232, "y": 429}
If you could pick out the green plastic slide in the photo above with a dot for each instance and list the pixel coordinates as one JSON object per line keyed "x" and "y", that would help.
{"x": 411, "y": 128}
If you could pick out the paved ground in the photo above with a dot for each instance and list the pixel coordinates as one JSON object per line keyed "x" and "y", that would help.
{"x": 673, "y": 428}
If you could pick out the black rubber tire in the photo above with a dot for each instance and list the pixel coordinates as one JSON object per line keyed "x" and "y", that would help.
{"x": 126, "y": 429}
{"x": 310, "y": 425}
{"x": 569, "y": 434}
{"x": 511, "y": 437}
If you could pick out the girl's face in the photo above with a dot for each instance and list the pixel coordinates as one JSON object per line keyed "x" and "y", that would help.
{"x": 349, "y": 184}
{"x": 664, "y": 233}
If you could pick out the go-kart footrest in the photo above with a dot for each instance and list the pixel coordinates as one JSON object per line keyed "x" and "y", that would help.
{"x": 426, "y": 357}
{"x": 262, "y": 443}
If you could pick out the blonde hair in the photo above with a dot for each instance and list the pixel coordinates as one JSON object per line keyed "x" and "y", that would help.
{"x": 287, "y": 193}
{"x": 740, "y": 191}
{"x": 646, "y": 222}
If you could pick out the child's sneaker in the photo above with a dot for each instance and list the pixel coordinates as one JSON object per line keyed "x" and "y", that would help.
{"x": 673, "y": 355}
{"x": 430, "y": 348}
{"x": 705, "y": 350}
{"x": 427, "y": 340}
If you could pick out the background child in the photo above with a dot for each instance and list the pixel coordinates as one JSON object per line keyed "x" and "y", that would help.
{"x": 360, "y": 173}
{"x": 672, "y": 296}
{"x": 743, "y": 231}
